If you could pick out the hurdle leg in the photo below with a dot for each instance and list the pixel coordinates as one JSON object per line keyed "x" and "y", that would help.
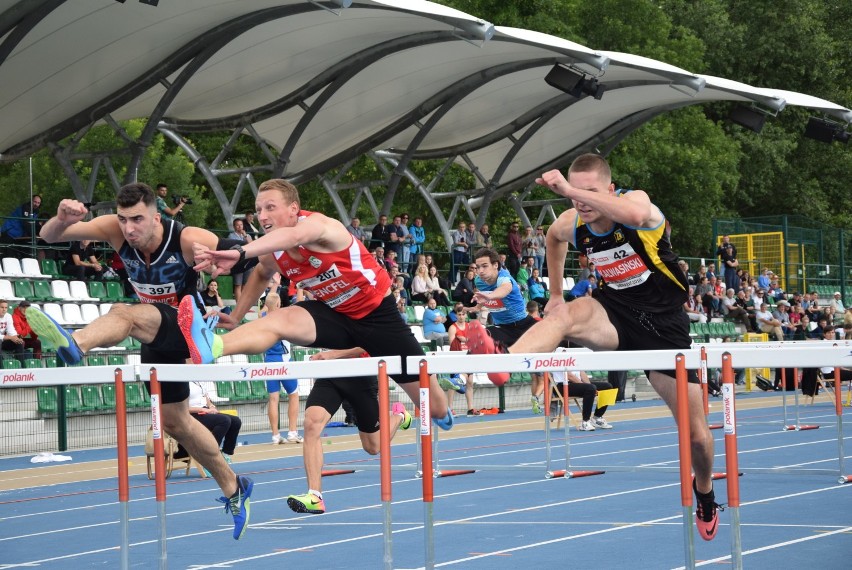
{"x": 123, "y": 470}
{"x": 685, "y": 456}
{"x": 159, "y": 468}
{"x": 731, "y": 459}
{"x": 385, "y": 462}
{"x": 428, "y": 477}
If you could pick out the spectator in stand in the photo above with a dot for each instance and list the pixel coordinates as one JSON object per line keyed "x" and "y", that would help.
{"x": 379, "y": 255}
{"x": 763, "y": 281}
{"x": 460, "y": 248}
{"x": 814, "y": 312}
{"x": 420, "y": 285}
{"x": 465, "y": 289}
{"x": 781, "y": 314}
{"x": 836, "y": 303}
{"x": 530, "y": 243}
{"x": 579, "y": 386}
{"x": 722, "y": 253}
{"x": 433, "y": 323}
{"x": 440, "y": 291}
{"x": 523, "y": 275}
{"x": 705, "y": 290}
{"x": 392, "y": 261}
{"x": 733, "y": 310}
{"x": 537, "y": 288}
{"x": 22, "y": 224}
{"x": 484, "y": 239}
{"x": 583, "y": 288}
{"x": 711, "y": 270}
{"x": 816, "y": 332}
{"x": 396, "y": 234}
{"x": 515, "y": 247}
{"x": 405, "y": 243}
{"x": 458, "y": 343}
{"x": 211, "y": 299}
{"x": 281, "y": 352}
{"x": 30, "y": 338}
{"x": 248, "y": 225}
{"x": 224, "y": 427}
{"x": 239, "y": 234}
{"x": 684, "y": 266}
{"x": 399, "y": 286}
{"x": 541, "y": 251}
{"x": 718, "y": 295}
{"x": 585, "y": 270}
{"x": 81, "y": 263}
{"x": 693, "y": 307}
{"x": 380, "y": 236}
{"x": 472, "y": 237}
{"x": 11, "y": 340}
{"x": 730, "y": 264}
{"x": 418, "y": 238}
{"x": 167, "y": 213}
{"x": 357, "y": 231}
{"x": 702, "y": 272}
{"x": 767, "y": 323}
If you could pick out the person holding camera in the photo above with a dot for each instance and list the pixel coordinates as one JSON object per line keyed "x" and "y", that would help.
{"x": 167, "y": 213}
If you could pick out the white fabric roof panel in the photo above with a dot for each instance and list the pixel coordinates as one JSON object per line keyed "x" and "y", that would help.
{"x": 89, "y": 58}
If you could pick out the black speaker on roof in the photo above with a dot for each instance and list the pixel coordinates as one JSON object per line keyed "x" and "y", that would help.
{"x": 748, "y": 118}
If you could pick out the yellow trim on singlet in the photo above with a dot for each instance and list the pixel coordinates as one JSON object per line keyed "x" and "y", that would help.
{"x": 650, "y": 243}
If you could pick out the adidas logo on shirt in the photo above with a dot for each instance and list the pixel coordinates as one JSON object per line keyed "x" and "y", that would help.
{"x": 172, "y": 259}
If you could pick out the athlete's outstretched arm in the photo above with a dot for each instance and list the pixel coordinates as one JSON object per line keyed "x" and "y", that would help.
{"x": 633, "y": 209}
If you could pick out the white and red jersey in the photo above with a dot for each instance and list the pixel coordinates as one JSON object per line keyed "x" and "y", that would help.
{"x": 349, "y": 281}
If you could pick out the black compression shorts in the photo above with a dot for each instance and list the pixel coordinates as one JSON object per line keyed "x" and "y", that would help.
{"x": 362, "y": 393}
{"x": 381, "y": 333}
{"x": 168, "y": 347}
{"x": 642, "y": 330}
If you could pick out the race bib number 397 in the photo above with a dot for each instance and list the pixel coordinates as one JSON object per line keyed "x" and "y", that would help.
{"x": 161, "y": 293}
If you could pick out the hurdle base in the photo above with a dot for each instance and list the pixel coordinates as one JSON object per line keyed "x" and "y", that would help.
{"x": 453, "y": 472}
{"x": 845, "y": 479}
{"x": 723, "y": 475}
{"x": 800, "y": 428}
{"x": 715, "y": 426}
{"x": 571, "y": 474}
{"x": 333, "y": 472}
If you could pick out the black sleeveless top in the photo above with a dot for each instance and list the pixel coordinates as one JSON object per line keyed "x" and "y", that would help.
{"x": 169, "y": 277}
{"x": 637, "y": 266}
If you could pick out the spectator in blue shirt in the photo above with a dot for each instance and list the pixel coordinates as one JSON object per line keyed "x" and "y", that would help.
{"x": 584, "y": 287}
{"x": 433, "y": 323}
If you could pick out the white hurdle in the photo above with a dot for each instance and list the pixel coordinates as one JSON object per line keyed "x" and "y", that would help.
{"x": 382, "y": 367}
{"x": 749, "y": 355}
{"x": 35, "y": 377}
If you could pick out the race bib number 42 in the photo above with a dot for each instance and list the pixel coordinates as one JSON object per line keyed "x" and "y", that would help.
{"x": 621, "y": 267}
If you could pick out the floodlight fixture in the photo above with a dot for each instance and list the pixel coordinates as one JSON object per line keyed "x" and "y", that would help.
{"x": 826, "y": 131}
{"x": 149, "y": 2}
{"x": 574, "y": 82}
{"x": 748, "y": 117}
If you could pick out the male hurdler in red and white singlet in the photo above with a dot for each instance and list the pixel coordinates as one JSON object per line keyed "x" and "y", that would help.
{"x": 352, "y": 304}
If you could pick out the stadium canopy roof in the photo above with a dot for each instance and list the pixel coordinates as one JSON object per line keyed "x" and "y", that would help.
{"x": 324, "y": 82}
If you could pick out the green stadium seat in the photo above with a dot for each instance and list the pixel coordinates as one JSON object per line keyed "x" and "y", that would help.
{"x": 96, "y": 360}
{"x": 520, "y": 378}
{"x": 10, "y": 363}
{"x": 255, "y": 358}
{"x": 47, "y": 400}
{"x": 33, "y": 363}
{"x": 242, "y": 390}
{"x": 134, "y": 395}
{"x": 297, "y": 353}
{"x": 97, "y": 290}
{"x": 91, "y": 398}
{"x": 49, "y": 361}
{"x": 73, "y": 400}
{"x": 258, "y": 389}
{"x": 225, "y": 390}
{"x": 42, "y": 291}
{"x": 226, "y": 286}
{"x": 49, "y": 267}
{"x": 116, "y": 360}
{"x": 24, "y": 289}
{"x": 410, "y": 315}
{"x": 108, "y": 396}
{"x": 115, "y": 293}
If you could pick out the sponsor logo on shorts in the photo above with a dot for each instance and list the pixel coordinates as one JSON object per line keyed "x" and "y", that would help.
{"x": 17, "y": 377}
